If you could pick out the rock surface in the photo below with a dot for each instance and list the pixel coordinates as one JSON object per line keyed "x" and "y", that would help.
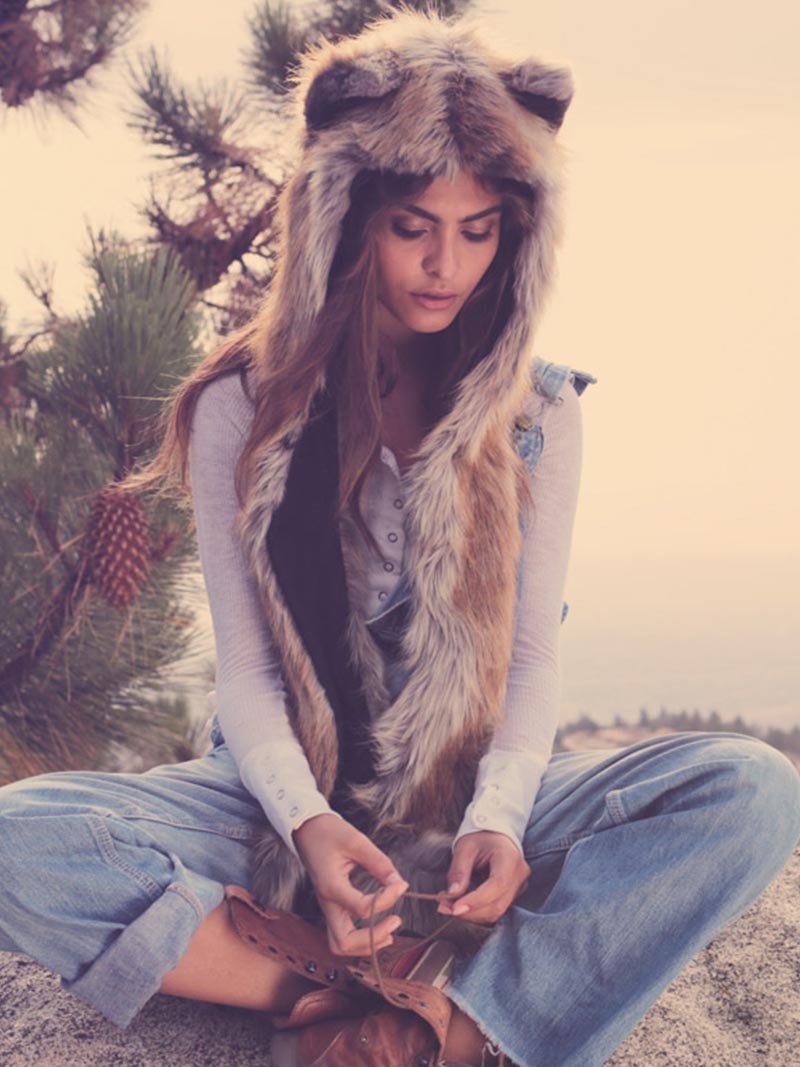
{"x": 735, "y": 1004}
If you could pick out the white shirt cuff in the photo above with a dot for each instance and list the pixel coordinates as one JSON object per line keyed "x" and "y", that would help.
{"x": 505, "y": 788}
{"x": 279, "y": 777}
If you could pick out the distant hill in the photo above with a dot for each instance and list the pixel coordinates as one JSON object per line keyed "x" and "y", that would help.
{"x": 585, "y": 733}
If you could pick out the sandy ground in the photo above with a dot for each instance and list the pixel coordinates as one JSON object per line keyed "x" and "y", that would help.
{"x": 736, "y": 1004}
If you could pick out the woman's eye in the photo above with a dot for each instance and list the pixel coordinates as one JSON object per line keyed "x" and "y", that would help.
{"x": 401, "y": 231}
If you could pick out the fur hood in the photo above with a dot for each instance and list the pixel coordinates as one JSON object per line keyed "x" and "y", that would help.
{"x": 412, "y": 93}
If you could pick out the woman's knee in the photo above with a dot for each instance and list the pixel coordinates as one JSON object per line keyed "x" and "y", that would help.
{"x": 17, "y": 800}
{"x": 37, "y": 795}
{"x": 765, "y": 786}
{"x": 29, "y": 857}
{"x": 44, "y": 824}
{"x": 22, "y": 834}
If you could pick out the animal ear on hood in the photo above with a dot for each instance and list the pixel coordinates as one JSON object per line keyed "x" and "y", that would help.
{"x": 347, "y": 84}
{"x": 544, "y": 90}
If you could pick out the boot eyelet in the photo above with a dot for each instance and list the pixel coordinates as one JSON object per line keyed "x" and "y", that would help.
{"x": 331, "y": 975}
{"x": 311, "y": 967}
{"x": 253, "y": 939}
{"x": 273, "y": 950}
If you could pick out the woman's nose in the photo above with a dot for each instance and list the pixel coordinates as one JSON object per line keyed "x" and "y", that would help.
{"x": 442, "y": 259}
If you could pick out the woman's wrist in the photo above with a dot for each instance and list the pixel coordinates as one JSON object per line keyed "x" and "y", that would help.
{"x": 308, "y": 827}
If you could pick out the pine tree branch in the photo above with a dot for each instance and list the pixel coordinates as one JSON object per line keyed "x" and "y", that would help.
{"x": 48, "y": 626}
{"x": 277, "y": 39}
{"x": 195, "y": 129}
{"x": 48, "y": 49}
{"x": 43, "y": 519}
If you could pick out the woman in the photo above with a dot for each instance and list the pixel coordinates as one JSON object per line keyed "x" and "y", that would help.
{"x": 385, "y": 481}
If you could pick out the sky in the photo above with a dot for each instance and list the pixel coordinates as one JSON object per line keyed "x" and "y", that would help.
{"x": 676, "y": 289}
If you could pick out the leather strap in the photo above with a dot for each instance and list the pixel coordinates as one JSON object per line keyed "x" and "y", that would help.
{"x": 287, "y": 937}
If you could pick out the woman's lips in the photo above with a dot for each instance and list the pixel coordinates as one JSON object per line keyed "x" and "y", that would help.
{"x": 434, "y": 303}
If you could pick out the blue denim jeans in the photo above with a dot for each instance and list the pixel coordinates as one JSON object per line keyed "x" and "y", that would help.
{"x": 639, "y": 855}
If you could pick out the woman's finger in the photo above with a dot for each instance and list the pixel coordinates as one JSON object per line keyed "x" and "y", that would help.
{"x": 341, "y": 891}
{"x": 350, "y": 941}
{"x": 367, "y": 855}
{"x": 490, "y": 892}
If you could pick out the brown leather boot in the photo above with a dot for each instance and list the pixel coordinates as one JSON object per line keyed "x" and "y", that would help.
{"x": 319, "y": 1004}
{"x": 385, "y": 1037}
{"x": 348, "y": 1020}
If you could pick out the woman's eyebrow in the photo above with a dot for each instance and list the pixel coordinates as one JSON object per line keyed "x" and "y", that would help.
{"x": 435, "y": 218}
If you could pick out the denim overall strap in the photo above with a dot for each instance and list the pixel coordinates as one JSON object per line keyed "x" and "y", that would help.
{"x": 548, "y": 380}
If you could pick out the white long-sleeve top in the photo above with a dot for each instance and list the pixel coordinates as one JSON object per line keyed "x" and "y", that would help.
{"x": 249, "y": 694}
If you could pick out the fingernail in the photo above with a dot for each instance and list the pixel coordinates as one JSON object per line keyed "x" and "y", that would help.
{"x": 459, "y": 909}
{"x": 454, "y": 888}
{"x": 394, "y": 878}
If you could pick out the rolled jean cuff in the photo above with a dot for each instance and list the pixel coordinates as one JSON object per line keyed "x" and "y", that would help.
{"x": 120, "y": 981}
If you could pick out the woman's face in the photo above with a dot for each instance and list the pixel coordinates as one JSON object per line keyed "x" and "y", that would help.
{"x": 440, "y": 241}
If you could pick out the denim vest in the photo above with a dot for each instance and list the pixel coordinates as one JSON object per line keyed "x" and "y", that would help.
{"x": 388, "y": 625}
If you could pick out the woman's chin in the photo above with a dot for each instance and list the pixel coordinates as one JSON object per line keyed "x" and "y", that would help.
{"x": 430, "y": 322}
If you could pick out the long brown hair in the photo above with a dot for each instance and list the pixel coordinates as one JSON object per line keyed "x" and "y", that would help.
{"x": 344, "y": 339}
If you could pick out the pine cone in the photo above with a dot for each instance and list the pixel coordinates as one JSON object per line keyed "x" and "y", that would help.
{"x": 118, "y": 545}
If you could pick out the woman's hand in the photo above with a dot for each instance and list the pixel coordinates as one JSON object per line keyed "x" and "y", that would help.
{"x": 508, "y": 876}
{"x": 330, "y": 848}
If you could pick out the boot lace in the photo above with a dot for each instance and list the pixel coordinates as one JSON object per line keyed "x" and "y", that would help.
{"x": 499, "y": 1058}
